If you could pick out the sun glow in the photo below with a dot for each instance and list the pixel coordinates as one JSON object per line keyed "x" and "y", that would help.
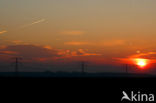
{"x": 141, "y": 62}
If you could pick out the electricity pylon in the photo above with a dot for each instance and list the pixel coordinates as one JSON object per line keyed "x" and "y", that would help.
{"x": 127, "y": 68}
{"x": 17, "y": 61}
{"x": 83, "y": 67}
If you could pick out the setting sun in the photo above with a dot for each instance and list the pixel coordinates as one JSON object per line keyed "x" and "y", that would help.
{"x": 141, "y": 62}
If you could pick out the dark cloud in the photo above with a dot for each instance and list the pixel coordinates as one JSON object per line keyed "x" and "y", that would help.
{"x": 41, "y": 53}
{"x": 41, "y": 57}
{"x": 29, "y": 51}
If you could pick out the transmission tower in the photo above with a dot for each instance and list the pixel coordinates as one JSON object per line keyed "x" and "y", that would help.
{"x": 127, "y": 68}
{"x": 83, "y": 67}
{"x": 17, "y": 61}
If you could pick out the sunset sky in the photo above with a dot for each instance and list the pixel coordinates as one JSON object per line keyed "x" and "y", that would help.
{"x": 61, "y": 33}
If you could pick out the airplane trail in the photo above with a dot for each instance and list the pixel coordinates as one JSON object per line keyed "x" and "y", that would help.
{"x": 33, "y": 23}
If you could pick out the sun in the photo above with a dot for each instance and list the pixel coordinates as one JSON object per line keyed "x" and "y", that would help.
{"x": 141, "y": 62}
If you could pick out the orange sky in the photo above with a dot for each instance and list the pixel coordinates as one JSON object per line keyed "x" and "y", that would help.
{"x": 99, "y": 31}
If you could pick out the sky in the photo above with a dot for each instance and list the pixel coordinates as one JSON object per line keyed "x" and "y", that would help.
{"x": 59, "y": 34}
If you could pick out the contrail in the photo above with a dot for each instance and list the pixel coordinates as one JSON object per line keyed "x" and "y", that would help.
{"x": 39, "y": 21}
{"x": 2, "y": 32}
{"x": 33, "y": 23}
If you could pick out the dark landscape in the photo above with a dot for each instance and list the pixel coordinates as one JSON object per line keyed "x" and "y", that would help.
{"x": 73, "y": 75}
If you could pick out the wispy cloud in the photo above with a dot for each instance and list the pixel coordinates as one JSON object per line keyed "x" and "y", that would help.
{"x": 77, "y": 53}
{"x": 17, "y": 42}
{"x": 112, "y": 43}
{"x": 39, "y": 21}
{"x": 106, "y": 43}
{"x": 8, "y": 52}
{"x": 35, "y": 22}
{"x": 148, "y": 55}
{"x": 2, "y": 32}
{"x": 77, "y": 43}
{"x": 151, "y": 56}
{"x": 73, "y": 32}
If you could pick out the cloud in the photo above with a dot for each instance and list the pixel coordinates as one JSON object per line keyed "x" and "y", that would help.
{"x": 106, "y": 43}
{"x": 48, "y": 47}
{"x": 76, "y": 53}
{"x": 77, "y": 43}
{"x": 17, "y": 42}
{"x": 31, "y": 52}
{"x": 36, "y": 22}
{"x": 2, "y": 47}
{"x": 41, "y": 53}
{"x": 147, "y": 55}
{"x": 81, "y": 52}
{"x": 8, "y": 52}
{"x": 73, "y": 32}
{"x": 151, "y": 56}
{"x": 112, "y": 43}
{"x": 2, "y": 32}
{"x": 33, "y": 23}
